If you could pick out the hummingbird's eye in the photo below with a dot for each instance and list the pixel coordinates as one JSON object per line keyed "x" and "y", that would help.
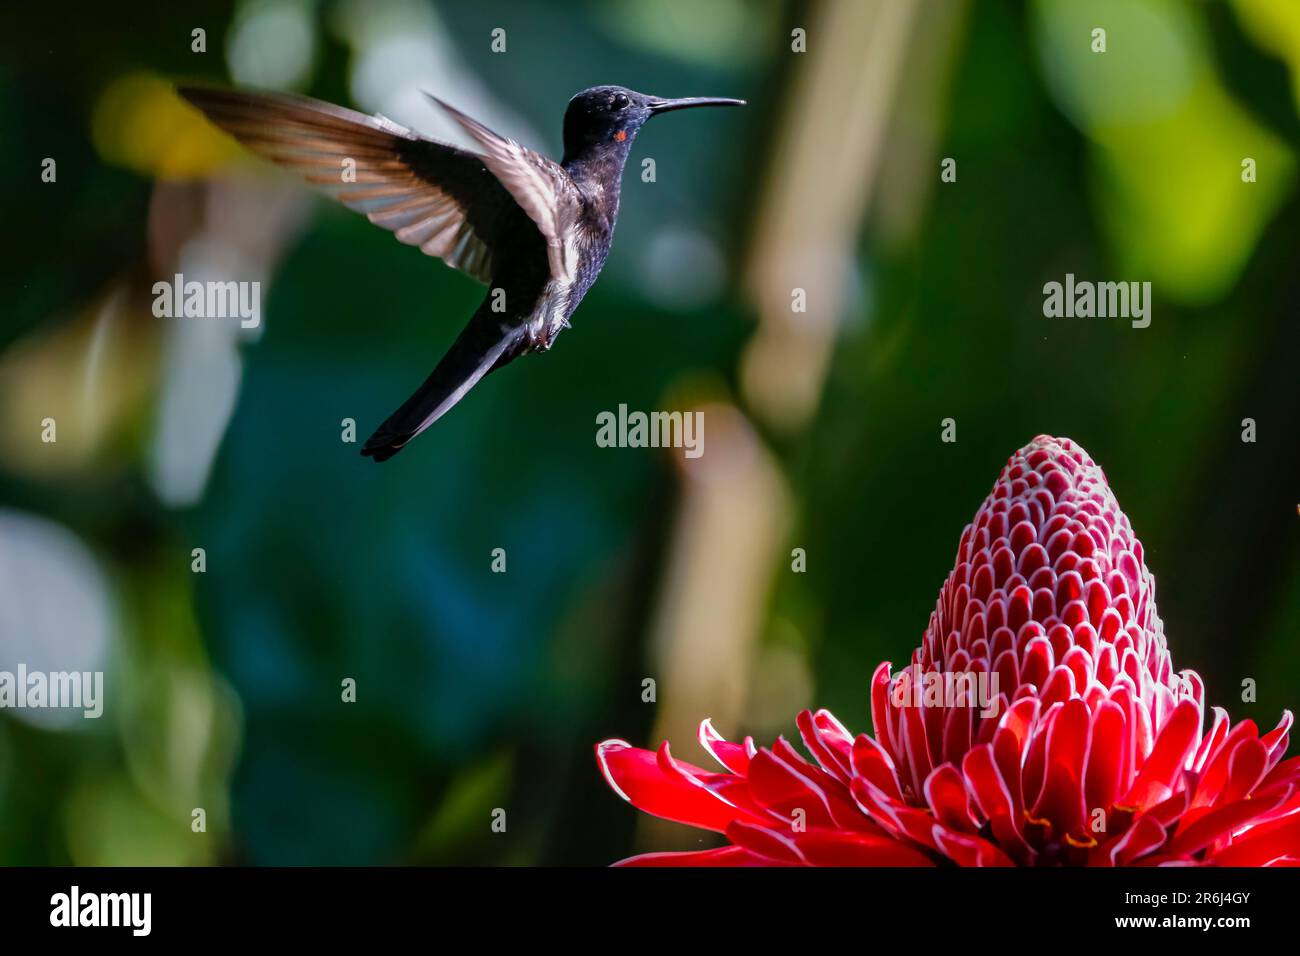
{"x": 620, "y": 101}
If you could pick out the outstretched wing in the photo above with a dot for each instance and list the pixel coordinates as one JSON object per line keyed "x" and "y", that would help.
{"x": 429, "y": 194}
{"x": 539, "y": 185}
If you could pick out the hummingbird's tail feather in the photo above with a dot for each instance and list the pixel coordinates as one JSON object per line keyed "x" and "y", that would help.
{"x": 485, "y": 344}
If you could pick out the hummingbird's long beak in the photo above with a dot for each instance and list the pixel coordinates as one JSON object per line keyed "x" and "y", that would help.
{"x": 686, "y": 102}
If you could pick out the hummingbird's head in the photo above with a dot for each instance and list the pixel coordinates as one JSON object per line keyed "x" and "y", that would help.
{"x": 614, "y": 114}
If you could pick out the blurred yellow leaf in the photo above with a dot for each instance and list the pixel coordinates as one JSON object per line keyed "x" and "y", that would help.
{"x": 141, "y": 123}
{"x": 1168, "y": 142}
{"x": 89, "y": 375}
{"x": 1275, "y": 26}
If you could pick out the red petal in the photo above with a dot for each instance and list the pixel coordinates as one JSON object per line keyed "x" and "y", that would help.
{"x": 915, "y": 746}
{"x": 845, "y": 815}
{"x": 1034, "y": 769}
{"x": 639, "y": 777}
{"x": 957, "y": 731}
{"x": 1285, "y": 772}
{"x": 1061, "y": 800}
{"x": 995, "y": 801}
{"x": 945, "y": 792}
{"x": 767, "y": 844}
{"x": 837, "y": 848}
{"x": 834, "y": 763}
{"x": 880, "y": 706}
{"x": 1221, "y": 822}
{"x": 901, "y": 820}
{"x": 1212, "y": 740}
{"x": 1060, "y": 686}
{"x": 1105, "y": 759}
{"x": 1263, "y": 844}
{"x": 969, "y": 850}
{"x": 1009, "y": 742}
{"x": 1163, "y": 768}
{"x": 1246, "y": 768}
{"x": 1276, "y": 739}
{"x": 1142, "y": 838}
{"x": 1168, "y": 811}
{"x": 1036, "y": 662}
{"x": 722, "y": 856}
{"x": 1219, "y": 761}
{"x": 779, "y": 789}
{"x": 872, "y": 762}
{"x": 732, "y": 756}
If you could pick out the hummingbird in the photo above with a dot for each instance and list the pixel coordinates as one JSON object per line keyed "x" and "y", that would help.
{"x": 537, "y": 232}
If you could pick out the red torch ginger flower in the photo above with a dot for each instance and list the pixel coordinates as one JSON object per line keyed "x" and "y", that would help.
{"x": 1039, "y": 723}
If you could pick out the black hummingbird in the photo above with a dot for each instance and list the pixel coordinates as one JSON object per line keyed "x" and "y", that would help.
{"x": 535, "y": 230}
